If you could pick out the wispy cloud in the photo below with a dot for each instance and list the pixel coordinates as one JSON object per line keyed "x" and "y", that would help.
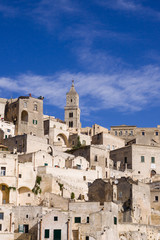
{"x": 130, "y": 90}
{"x": 8, "y": 11}
{"x": 131, "y": 6}
{"x": 50, "y": 13}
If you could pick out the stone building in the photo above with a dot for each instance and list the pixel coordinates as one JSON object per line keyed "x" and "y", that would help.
{"x": 27, "y": 115}
{"x": 108, "y": 140}
{"x": 143, "y": 161}
{"x": 144, "y": 136}
{"x": 56, "y": 132}
{"x": 72, "y": 110}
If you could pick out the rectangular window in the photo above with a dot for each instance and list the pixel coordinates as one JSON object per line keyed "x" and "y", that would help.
{"x": 156, "y": 133}
{"x": 125, "y": 159}
{"x": 77, "y": 219}
{"x": 35, "y": 122}
{"x": 3, "y": 171}
{"x": 0, "y": 227}
{"x": 142, "y": 158}
{"x": 1, "y": 215}
{"x": 70, "y": 124}
{"x": 87, "y": 219}
{"x": 55, "y": 218}
{"x": 156, "y": 198}
{"x": 115, "y": 221}
{"x": 20, "y": 175}
{"x": 71, "y": 114}
{"x": 87, "y": 237}
{"x": 20, "y": 228}
{"x": 46, "y": 164}
{"x": 152, "y": 159}
{"x": 143, "y": 133}
{"x": 131, "y": 133}
{"x": 46, "y": 233}
{"x": 115, "y": 133}
{"x": 8, "y": 130}
{"x": 120, "y": 133}
{"x": 26, "y": 228}
{"x": 95, "y": 158}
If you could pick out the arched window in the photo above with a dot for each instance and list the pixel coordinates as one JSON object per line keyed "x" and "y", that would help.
{"x": 24, "y": 116}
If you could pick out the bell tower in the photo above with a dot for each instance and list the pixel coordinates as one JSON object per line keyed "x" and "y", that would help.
{"x": 72, "y": 110}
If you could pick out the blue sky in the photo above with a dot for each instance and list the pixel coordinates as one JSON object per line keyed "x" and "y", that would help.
{"x": 111, "y": 48}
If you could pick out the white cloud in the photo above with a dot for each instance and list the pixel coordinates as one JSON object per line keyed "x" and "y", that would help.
{"x": 131, "y": 6}
{"x": 130, "y": 90}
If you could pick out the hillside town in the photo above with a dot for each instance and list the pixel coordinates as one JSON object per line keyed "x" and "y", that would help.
{"x": 62, "y": 181}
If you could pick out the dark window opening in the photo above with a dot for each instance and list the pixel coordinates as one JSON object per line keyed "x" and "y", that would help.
{"x": 71, "y": 124}
{"x": 71, "y": 114}
{"x": 55, "y": 218}
{"x": 115, "y": 220}
{"x": 26, "y": 228}
{"x": 46, "y": 233}
{"x": 77, "y": 219}
{"x": 87, "y": 219}
{"x": 1, "y": 215}
{"x": 125, "y": 159}
{"x": 156, "y": 198}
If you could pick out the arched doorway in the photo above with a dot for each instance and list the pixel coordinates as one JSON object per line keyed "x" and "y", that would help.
{"x": 153, "y": 173}
{"x": 62, "y": 139}
{"x": 24, "y": 116}
{"x": 50, "y": 150}
{"x": 4, "y": 189}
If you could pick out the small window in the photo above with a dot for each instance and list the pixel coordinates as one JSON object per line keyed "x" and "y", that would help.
{"x": 77, "y": 219}
{"x": 87, "y": 219}
{"x": 71, "y": 99}
{"x": 115, "y": 221}
{"x": 156, "y": 198}
{"x": 8, "y": 130}
{"x": 20, "y": 228}
{"x": 55, "y": 218}
{"x": 139, "y": 172}
{"x": 3, "y": 171}
{"x": 131, "y": 133}
{"x": 27, "y": 216}
{"x": 115, "y": 133}
{"x": 1, "y": 215}
{"x": 125, "y": 159}
{"x": 120, "y": 133}
{"x": 35, "y": 122}
{"x": 142, "y": 158}
{"x": 26, "y": 228}
{"x": 71, "y": 124}
{"x": 3, "y": 187}
{"x": 95, "y": 158}
{"x": 46, "y": 233}
{"x": 29, "y": 194}
{"x": 46, "y": 164}
{"x": 20, "y": 175}
{"x": 35, "y": 107}
{"x": 87, "y": 237}
{"x": 156, "y": 133}
{"x": 0, "y": 227}
{"x": 4, "y": 155}
{"x": 126, "y": 132}
{"x": 25, "y": 105}
{"x": 143, "y": 133}
{"x": 71, "y": 114}
{"x": 152, "y": 159}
